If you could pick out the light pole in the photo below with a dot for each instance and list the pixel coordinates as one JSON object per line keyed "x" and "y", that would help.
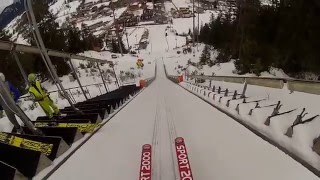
{"x": 193, "y": 21}
{"x": 127, "y": 39}
{"x": 117, "y": 28}
{"x": 198, "y": 21}
{"x": 242, "y": 11}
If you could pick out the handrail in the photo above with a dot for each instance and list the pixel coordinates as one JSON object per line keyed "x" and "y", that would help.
{"x": 10, "y": 46}
{"x": 78, "y": 87}
{"x": 54, "y": 91}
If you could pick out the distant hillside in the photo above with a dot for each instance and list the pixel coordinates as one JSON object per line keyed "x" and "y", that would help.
{"x": 10, "y": 12}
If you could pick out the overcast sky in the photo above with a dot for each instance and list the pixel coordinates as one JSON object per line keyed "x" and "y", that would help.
{"x": 4, "y": 3}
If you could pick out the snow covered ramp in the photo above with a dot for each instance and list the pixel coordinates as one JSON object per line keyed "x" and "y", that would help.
{"x": 218, "y": 147}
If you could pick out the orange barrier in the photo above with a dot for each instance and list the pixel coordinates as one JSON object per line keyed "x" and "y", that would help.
{"x": 143, "y": 83}
{"x": 180, "y": 79}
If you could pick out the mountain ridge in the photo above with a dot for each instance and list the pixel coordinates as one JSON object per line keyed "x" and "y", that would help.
{"x": 11, "y": 12}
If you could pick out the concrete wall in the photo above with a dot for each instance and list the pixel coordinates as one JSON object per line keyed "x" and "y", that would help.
{"x": 230, "y": 79}
{"x": 304, "y": 86}
{"x": 266, "y": 82}
{"x": 273, "y": 83}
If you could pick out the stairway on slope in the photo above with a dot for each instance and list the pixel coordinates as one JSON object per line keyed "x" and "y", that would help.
{"x": 23, "y": 156}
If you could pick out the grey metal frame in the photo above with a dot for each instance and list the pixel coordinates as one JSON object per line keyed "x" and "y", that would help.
{"x": 24, "y": 75}
{"x": 10, "y": 46}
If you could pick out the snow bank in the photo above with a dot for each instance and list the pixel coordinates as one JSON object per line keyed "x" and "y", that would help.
{"x": 68, "y": 8}
{"x": 12, "y": 25}
{"x": 134, "y": 36}
{"x": 59, "y": 8}
{"x": 88, "y": 1}
{"x": 303, "y": 135}
{"x": 173, "y": 60}
{"x": 182, "y": 25}
{"x": 182, "y": 3}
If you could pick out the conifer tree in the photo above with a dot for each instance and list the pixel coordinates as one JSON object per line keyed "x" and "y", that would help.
{"x": 205, "y": 56}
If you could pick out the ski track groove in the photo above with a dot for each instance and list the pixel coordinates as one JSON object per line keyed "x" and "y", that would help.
{"x": 156, "y": 144}
{"x": 172, "y": 136}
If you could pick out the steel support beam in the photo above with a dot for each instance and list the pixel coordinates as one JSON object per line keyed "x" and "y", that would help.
{"x": 78, "y": 80}
{"x": 24, "y": 75}
{"x": 44, "y": 52}
{"x": 104, "y": 83}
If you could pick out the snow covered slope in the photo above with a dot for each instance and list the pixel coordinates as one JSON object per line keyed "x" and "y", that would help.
{"x": 174, "y": 61}
{"x": 219, "y": 148}
{"x": 301, "y": 142}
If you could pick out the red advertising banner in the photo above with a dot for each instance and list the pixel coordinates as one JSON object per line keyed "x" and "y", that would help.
{"x": 183, "y": 160}
{"x": 145, "y": 167}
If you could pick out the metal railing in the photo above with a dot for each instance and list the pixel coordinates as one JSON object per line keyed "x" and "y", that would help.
{"x": 306, "y": 86}
{"x": 72, "y": 93}
{"x": 13, "y": 48}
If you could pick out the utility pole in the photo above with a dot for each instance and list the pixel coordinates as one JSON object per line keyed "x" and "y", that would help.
{"x": 193, "y": 38}
{"x": 115, "y": 75}
{"x": 242, "y": 26}
{"x": 117, "y": 28}
{"x": 100, "y": 72}
{"x": 167, "y": 42}
{"x": 127, "y": 40}
{"x": 198, "y": 21}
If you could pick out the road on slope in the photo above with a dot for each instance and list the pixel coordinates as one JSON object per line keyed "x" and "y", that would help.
{"x": 158, "y": 43}
{"x": 218, "y": 147}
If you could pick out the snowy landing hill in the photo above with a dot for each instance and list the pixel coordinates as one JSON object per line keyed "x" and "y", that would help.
{"x": 95, "y": 15}
{"x": 177, "y": 63}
